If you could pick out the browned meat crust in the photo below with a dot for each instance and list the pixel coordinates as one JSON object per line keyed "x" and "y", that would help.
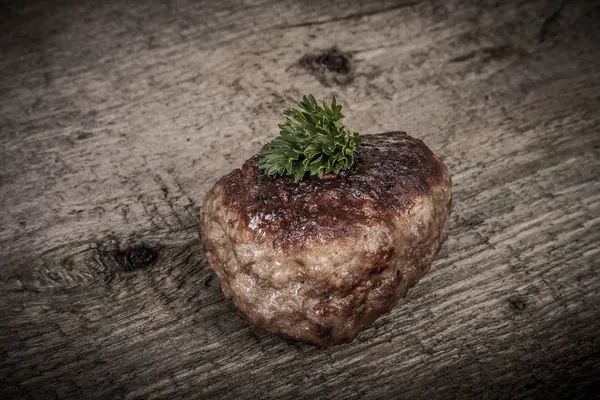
{"x": 321, "y": 259}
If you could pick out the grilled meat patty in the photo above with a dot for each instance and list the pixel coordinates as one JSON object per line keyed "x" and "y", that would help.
{"x": 321, "y": 259}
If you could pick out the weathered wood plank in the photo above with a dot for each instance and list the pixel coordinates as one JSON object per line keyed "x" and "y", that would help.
{"x": 117, "y": 117}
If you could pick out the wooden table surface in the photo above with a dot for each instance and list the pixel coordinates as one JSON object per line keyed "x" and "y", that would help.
{"x": 117, "y": 117}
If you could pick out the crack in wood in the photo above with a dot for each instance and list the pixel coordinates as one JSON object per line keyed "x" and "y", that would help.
{"x": 351, "y": 16}
{"x": 551, "y": 20}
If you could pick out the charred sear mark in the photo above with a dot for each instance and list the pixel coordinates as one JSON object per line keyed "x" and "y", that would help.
{"x": 324, "y": 330}
{"x": 331, "y": 66}
{"x": 377, "y": 270}
{"x": 137, "y": 257}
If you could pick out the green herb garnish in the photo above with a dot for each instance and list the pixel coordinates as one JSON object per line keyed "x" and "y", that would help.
{"x": 312, "y": 139}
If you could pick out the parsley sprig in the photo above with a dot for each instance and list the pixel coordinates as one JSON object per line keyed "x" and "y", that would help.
{"x": 311, "y": 140}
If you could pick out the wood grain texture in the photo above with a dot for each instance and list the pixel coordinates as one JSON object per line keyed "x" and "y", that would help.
{"x": 117, "y": 117}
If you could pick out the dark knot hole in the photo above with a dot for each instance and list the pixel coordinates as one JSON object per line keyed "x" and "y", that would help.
{"x": 139, "y": 257}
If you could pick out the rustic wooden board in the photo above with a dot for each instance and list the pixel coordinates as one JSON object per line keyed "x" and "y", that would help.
{"x": 117, "y": 117}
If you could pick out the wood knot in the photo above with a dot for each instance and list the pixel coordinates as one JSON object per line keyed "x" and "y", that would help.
{"x": 518, "y": 303}
{"x": 139, "y": 257}
{"x": 330, "y": 66}
{"x": 332, "y": 59}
